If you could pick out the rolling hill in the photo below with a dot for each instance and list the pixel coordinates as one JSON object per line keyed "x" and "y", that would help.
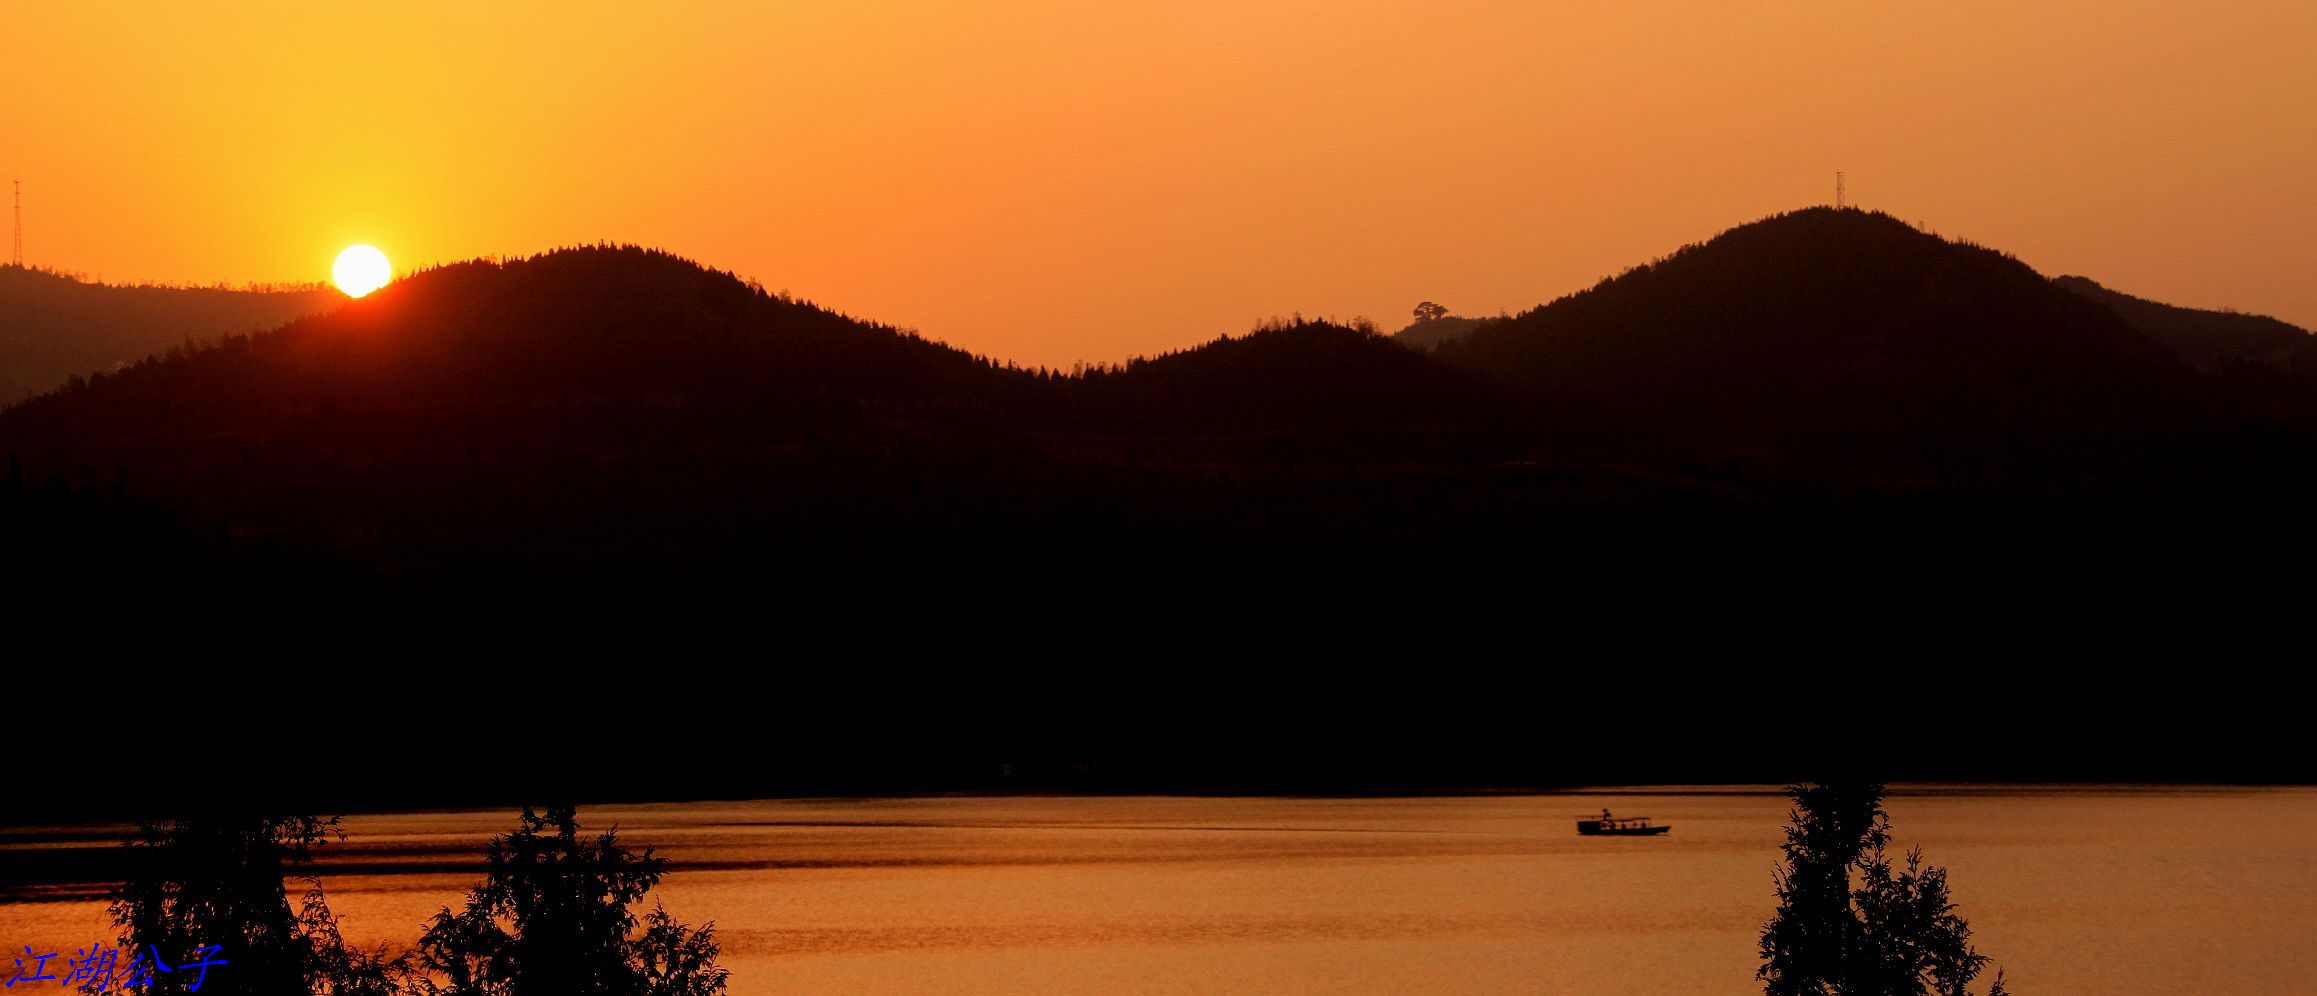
{"x": 1293, "y": 378}
{"x": 1301, "y": 557}
{"x": 2209, "y": 340}
{"x": 1833, "y": 332}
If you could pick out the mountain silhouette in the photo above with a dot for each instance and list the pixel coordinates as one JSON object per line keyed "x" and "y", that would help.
{"x": 1832, "y": 330}
{"x": 611, "y": 324}
{"x": 521, "y": 386}
{"x": 2209, "y": 339}
{"x": 1299, "y": 376}
{"x": 54, "y": 327}
{"x": 1304, "y": 557}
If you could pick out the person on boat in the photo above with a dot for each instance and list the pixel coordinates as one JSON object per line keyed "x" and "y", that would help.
{"x": 1604, "y": 814}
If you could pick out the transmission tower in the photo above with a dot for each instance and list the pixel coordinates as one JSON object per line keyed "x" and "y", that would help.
{"x": 16, "y": 251}
{"x": 1838, "y": 191}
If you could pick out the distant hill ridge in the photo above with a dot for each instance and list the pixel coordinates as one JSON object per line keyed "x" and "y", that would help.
{"x": 622, "y": 324}
{"x": 1231, "y": 565}
{"x": 2208, "y": 339}
{"x": 54, "y": 326}
{"x": 1834, "y": 332}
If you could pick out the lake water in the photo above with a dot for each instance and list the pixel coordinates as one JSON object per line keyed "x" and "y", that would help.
{"x": 2072, "y": 890}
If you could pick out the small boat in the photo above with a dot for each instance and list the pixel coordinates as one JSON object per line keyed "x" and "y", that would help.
{"x": 1623, "y": 826}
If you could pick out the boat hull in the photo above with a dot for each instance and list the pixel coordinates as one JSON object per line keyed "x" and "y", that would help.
{"x": 1594, "y": 828}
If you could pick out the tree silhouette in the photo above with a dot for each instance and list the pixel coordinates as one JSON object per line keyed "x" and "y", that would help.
{"x": 219, "y": 879}
{"x": 1895, "y": 933}
{"x": 339, "y": 970}
{"x": 551, "y": 919}
{"x": 1430, "y": 312}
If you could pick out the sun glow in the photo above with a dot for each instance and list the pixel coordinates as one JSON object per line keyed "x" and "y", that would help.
{"x": 360, "y": 270}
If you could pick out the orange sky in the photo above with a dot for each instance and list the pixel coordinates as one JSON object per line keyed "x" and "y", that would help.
{"x": 1054, "y": 180}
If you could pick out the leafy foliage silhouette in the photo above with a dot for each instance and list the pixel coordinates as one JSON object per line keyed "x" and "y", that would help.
{"x": 221, "y": 879}
{"x": 552, "y": 917}
{"x": 1894, "y": 932}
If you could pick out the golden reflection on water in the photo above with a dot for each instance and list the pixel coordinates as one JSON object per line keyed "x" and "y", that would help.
{"x": 2072, "y": 890}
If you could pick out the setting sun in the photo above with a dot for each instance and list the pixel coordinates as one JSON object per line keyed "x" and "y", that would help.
{"x": 360, "y": 270}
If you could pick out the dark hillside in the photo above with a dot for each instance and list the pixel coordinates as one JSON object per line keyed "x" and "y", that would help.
{"x": 1428, "y": 334}
{"x": 1824, "y": 333}
{"x": 1298, "y": 559}
{"x": 1287, "y": 375}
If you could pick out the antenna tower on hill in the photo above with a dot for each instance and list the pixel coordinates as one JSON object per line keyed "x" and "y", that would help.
{"x": 1838, "y": 193}
{"x": 16, "y": 252}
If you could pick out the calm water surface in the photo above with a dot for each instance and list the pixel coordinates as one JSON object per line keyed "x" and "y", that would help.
{"x": 2073, "y": 890}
